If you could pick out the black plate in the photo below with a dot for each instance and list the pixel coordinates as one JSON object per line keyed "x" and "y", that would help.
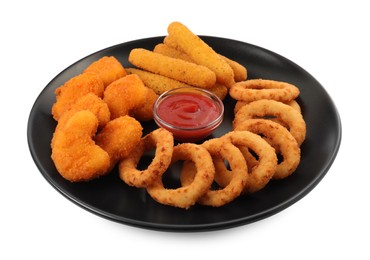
{"x": 111, "y": 198}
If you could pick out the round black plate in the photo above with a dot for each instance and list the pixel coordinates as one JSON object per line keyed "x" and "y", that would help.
{"x": 111, "y": 198}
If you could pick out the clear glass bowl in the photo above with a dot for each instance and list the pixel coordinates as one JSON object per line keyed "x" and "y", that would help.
{"x": 190, "y": 104}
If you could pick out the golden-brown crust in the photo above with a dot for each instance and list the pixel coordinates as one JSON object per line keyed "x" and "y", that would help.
{"x": 108, "y": 68}
{"x": 220, "y": 151}
{"x": 186, "y": 196}
{"x": 156, "y": 82}
{"x": 119, "y": 138}
{"x": 124, "y": 95}
{"x": 201, "y": 52}
{"x": 162, "y": 141}
{"x": 180, "y": 70}
{"x": 287, "y": 114}
{"x": 74, "y": 152}
{"x": 256, "y": 89}
{"x": 73, "y": 89}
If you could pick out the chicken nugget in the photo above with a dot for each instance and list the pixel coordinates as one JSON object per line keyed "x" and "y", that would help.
{"x": 187, "y": 72}
{"x": 108, "y": 68}
{"x": 124, "y": 95}
{"x": 90, "y": 102}
{"x": 156, "y": 82}
{"x": 201, "y": 52}
{"x": 145, "y": 112}
{"x": 119, "y": 137}
{"x": 75, "y": 154}
{"x": 73, "y": 89}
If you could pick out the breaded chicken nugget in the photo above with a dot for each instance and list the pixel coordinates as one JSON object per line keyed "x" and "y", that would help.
{"x": 124, "y": 95}
{"x": 201, "y": 52}
{"x": 156, "y": 82}
{"x": 187, "y": 72}
{"x": 75, "y": 154}
{"x": 108, "y": 68}
{"x": 145, "y": 112}
{"x": 92, "y": 103}
{"x": 73, "y": 89}
{"x": 119, "y": 137}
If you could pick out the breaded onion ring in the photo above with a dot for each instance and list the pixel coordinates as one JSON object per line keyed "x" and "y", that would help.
{"x": 162, "y": 140}
{"x": 263, "y": 172}
{"x": 280, "y": 138}
{"x": 75, "y": 154}
{"x": 256, "y": 89}
{"x": 294, "y": 104}
{"x": 264, "y": 108}
{"x": 185, "y": 197}
{"x": 223, "y": 175}
{"x": 220, "y": 150}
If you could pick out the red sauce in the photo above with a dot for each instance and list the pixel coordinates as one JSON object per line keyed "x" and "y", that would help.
{"x": 189, "y": 114}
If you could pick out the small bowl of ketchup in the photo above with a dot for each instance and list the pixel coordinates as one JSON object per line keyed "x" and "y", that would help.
{"x": 190, "y": 113}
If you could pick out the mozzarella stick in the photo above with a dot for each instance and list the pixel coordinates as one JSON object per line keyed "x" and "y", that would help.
{"x": 240, "y": 72}
{"x": 187, "y": 72}
{"x": 219, "y": 90}
{"x": 170, "y": 51}
{"x": 170, "y": 48}
{"x": 156, "y": 82}
{"x": 201, "y": 52}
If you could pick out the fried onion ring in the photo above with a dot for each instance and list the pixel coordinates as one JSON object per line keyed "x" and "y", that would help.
{"x": 220, "y": 150}
{"x": 264, "y": 108}
{"x": 223, "y": 176}
{"x": 261, "y": 174}
{"x": 256, "y": 89}
{"x": 185, "y": 197}
{"x": 280, "y": 138}
{"x": 294, "y": 104}
{"x": 162, "y": 140}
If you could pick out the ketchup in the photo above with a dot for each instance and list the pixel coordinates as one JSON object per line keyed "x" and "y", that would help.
{"x": 189, "y": 116}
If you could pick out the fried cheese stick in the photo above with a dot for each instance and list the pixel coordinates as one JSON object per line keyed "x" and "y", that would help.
{"x": 156, "y": 82}
{"x": 201, "y": 52}
{"x": 187, "y": 72}
{"x": 171, "y": 51}
{"x": 169, "y": 48}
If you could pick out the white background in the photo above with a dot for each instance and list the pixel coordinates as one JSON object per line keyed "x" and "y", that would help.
{"x": 329, "y": 39}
